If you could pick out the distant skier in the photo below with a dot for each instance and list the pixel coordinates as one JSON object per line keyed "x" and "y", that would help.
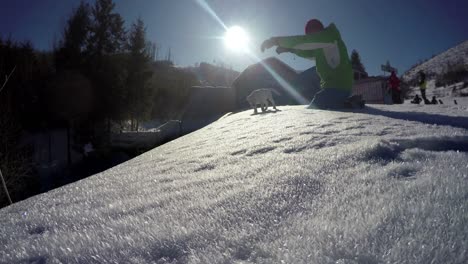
{"x": 455, "y": 101}
{"x": 422, "y": 86}
{"x": 440, "y": 102}
{"x": 394, "y": 83}
{"x": 434, "y": 100}
{"x": 325, "y": 46}
{"x": 416, "y": 100}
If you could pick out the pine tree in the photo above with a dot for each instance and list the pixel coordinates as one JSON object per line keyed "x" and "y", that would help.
{"x": 70, "y": 53}
{"x": 139, "y": 94}
{"x": 107, "y": 30}
{"x": 357, "y": 64}
{"x": 106, "y": 61}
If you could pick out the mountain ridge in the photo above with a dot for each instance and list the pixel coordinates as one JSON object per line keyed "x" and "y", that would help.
{"x": 440, "y": 63}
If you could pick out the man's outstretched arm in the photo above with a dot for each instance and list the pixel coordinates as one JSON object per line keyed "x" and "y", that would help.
{"x": 300, "y": 42}
{"x": 300, "y": 53}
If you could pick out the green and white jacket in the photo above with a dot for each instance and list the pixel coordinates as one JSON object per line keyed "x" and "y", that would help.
{"x": 329, "y": 52}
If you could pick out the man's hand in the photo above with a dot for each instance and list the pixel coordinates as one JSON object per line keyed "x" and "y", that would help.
{"x": 268, "y": 44}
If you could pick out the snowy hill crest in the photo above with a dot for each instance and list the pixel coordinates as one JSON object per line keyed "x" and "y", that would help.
{"x": 387, "y": 184}
{"x": 438, "y": 64}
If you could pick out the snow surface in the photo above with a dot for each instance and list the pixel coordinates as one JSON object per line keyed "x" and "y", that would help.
{"x": 386, "y": 184}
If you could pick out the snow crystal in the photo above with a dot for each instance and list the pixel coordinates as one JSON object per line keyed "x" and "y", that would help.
{"x": 386, "y": 184}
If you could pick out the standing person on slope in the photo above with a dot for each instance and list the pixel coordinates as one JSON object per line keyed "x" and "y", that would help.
{"x": 394, "y": 83}
{"x": 422, "y": 86}
{"x": 332, "y": 62}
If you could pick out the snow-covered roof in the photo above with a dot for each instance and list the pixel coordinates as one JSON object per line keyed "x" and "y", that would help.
{"x": 280, "y": 67}
{"x": 210, "y": 87}
{"x": 386, "y": 184}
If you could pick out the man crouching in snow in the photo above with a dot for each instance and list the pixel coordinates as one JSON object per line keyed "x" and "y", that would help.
{"x": 332, "y": 62}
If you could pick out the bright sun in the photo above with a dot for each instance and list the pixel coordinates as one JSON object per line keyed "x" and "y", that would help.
{"x": 236, "y": 39}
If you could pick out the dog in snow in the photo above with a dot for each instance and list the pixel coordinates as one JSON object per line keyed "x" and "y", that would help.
{"x": 262, "y": 97}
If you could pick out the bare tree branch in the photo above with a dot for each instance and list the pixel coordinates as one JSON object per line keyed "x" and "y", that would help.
{"x": 7, "y": 77}
{"x": 1, "y": 174}
{"x": 5, "y": 188}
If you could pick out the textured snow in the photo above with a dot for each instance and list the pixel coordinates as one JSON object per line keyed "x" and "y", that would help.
{"x": 387, "y": 184}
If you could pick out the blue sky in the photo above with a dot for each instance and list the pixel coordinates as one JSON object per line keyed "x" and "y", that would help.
{"x": 400, "y": 31}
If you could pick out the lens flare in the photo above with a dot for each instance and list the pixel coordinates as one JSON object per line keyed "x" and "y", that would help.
{"x": 286, "y": 86}
{"x": 236, "y": 39}
{"x": 203, "y": 4}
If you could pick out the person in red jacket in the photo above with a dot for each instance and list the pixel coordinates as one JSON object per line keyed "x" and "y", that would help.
{"x": 394, "y": 83}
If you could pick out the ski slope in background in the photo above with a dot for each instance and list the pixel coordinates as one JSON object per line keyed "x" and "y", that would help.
{"x": 386, "y": 184}
{"x": 442, "y": 62}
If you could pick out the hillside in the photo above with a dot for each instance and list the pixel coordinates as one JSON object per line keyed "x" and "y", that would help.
{"x": 439, "y": 63}
{"x": 211, "y": 75}
{"x": 386, "y": 184}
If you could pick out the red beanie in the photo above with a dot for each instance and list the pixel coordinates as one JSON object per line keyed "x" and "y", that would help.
{"x": 313, "y": 26}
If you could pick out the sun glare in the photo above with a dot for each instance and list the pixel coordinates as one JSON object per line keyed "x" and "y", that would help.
{"x": 236, "y": 39}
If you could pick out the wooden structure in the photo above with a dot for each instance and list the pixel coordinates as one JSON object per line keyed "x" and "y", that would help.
{"x": 374, "y": 90}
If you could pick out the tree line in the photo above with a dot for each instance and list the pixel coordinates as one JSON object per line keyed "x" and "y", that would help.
{"x": 118, "y": 63}
{"x": 99, "y": 76}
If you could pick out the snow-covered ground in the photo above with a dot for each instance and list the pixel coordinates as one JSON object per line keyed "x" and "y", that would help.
{"x": 386, "y": 184}
{"x": 450, "y": 92}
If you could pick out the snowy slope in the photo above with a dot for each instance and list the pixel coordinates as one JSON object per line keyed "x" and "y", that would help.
{"x": 388, "y": 184}
{"x": 438, "y": 64}
{"x": 447, "y": 93}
